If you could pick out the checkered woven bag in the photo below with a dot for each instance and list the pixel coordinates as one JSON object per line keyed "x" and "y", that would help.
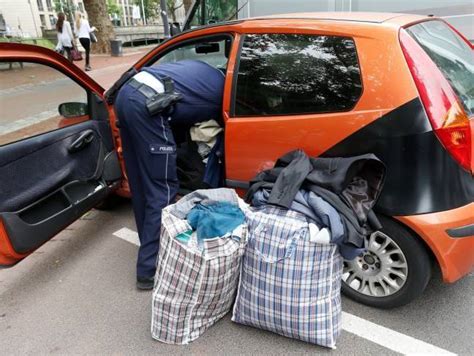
{"x": 289, "y": 284}
{"x": 194, "y": 286}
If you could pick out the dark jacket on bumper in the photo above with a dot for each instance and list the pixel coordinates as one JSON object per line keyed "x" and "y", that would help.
{"x": 352, "y": 185}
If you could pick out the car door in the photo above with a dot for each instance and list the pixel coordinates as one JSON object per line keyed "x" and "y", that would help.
{"x": 57, "y": 155}
{"x": 291, "y": 91}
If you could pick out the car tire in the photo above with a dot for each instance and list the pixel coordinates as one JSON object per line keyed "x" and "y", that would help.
{"x": 404, "y": 268}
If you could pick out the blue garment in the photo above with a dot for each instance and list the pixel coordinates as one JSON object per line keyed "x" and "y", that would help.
{"x": 322, "y": 213}
{"x": 214, "y": 171}
{"x": 215, "y": 219}
{"x": 152, "y": 177}
{"x": 200, "y": 84}
{"x": 149, "y": 148}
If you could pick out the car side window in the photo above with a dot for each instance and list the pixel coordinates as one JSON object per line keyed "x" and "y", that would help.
{"x": 35, "y": 99}
{"x": 213, "y": 51}
{"x": 284, "y": 74}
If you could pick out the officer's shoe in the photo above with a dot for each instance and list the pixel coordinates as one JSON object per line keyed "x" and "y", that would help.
{"x": 145, "y": 283}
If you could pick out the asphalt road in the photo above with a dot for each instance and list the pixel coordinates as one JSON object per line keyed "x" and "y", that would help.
{"x": 76, "y": 295}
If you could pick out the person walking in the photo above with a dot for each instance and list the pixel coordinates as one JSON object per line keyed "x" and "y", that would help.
{"x": 65, "y": 37}
{"x": 83, "y": 32}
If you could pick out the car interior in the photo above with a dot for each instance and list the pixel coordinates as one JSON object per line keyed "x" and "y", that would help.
{"x": 65, "y": 170}
{"x": 215, "y": 51}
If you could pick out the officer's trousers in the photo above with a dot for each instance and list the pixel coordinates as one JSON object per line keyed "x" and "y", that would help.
{"x": 149, "y": 151}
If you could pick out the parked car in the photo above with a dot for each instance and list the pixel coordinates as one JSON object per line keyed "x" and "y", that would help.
{"x": 399, "y": 86}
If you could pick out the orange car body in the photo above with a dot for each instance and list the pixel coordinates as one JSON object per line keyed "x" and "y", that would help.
{"x": 254, "y": 143}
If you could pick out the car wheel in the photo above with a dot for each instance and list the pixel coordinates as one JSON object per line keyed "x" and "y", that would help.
{"x": 394, "y": 271}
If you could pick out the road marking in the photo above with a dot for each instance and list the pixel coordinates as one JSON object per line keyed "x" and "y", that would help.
{"x": 368, "y": 330}
{"x": 128, "y": 235}
{"x": 388, "y": 338}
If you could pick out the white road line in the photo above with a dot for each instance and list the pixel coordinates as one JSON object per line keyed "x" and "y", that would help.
{"x": 368, "y": 330}
{"x": 128, "y": 235}
{"x": 388, "y": 338}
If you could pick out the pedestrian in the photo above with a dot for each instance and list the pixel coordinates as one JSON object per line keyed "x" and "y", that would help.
{"x": 83, "y": 32}
{"x": 65, "y": 37}
{"x": 149, "y": 148}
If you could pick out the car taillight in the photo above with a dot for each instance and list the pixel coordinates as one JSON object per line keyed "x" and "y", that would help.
{"x": 447, "y": 117}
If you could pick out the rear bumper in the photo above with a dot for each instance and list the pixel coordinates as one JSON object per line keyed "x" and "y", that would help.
{"x": 455, "y": 254}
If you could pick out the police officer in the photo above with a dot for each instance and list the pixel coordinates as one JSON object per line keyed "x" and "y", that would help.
{"x": 180, "y": 93}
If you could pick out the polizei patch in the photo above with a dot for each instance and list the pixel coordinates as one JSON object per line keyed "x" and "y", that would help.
{"x": 161, "y": 149}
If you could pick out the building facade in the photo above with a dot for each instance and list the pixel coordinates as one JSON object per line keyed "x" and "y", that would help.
{"x": 28, "y": 18}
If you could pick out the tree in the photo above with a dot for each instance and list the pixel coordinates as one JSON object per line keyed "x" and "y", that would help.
{"x": 113, "y": 9}
{"x": 67, "y": 7}
{"x": 172, "y": 6}
{"x": 151, "y": 8}
{"x": 99, "y": 17}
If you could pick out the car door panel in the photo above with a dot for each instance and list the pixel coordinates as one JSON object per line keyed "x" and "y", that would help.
{"x": 56, "y": 185}
{"x": 54, "y": 175}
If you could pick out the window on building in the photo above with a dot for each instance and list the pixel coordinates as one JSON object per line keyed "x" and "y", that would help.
{"x": 49, "y": 5}
{"x": 43, "y": 20}
{"x": 284, "y": 74}
{"x": 81, "y": 6}
{"x": 40, "y": 5}
{"x": 52, "y": 20}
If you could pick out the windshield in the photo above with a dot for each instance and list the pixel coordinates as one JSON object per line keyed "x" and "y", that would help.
{"x": 205, "y": 12}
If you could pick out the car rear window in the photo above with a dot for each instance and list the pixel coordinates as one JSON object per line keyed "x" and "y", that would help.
{"x": 283, "y": 74}
{"x": 453, "y": 56}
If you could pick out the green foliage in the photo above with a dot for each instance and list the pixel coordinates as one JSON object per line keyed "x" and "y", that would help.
{"x": 215, "y": 11}
{"x": 113, "y": 8}
{"x": 43, "y": 42}
{"x": 152, "y": 7}
{"x": 172, "y": 6}
{"x": 67, "y": 7}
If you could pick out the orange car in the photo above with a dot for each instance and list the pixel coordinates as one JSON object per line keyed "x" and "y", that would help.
{"x": 333, "y": 84}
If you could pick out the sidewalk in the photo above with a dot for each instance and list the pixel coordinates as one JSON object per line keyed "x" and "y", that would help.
{"x": 110, "y": 67}
{"x": 130, "y": 56}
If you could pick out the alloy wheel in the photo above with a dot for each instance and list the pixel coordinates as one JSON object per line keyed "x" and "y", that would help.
{"x": 379, "y": 272}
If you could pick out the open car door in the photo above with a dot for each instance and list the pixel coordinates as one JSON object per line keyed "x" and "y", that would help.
{"x": 57, "y": 155}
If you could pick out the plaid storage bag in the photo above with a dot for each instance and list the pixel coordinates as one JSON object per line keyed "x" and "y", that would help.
{"x": 289, "y": 284}
{"x": 195, "y": 282}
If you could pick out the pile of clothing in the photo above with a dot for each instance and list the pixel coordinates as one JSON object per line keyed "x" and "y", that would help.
{"x": 285, "y": 252}
{"x": 203, "y": 239}
{"x": 200, "y": 157}
{"x": 337, "y": 193}
{"x": 308, "y": 215}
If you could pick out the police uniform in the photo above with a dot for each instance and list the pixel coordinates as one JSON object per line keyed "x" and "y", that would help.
{"x": 149, "y": 148}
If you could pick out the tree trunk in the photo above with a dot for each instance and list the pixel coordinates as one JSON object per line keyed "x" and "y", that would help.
{"x": 99, "y": 17}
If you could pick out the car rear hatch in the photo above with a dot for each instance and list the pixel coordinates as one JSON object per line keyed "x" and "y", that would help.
{"x": 441, "y": 62}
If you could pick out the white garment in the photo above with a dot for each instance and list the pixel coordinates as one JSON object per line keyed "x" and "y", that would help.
{"x": 205, "y": 135}
{"x": 151, "y": 81}
{"x": 84, "y": 29}
{"x": 65, "y": 37}
{"x": 206, "y": 132}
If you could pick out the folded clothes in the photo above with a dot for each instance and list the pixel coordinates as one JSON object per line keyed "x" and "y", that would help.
{"x": 322, "y": 213}
{"x": 215, "y": 219}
